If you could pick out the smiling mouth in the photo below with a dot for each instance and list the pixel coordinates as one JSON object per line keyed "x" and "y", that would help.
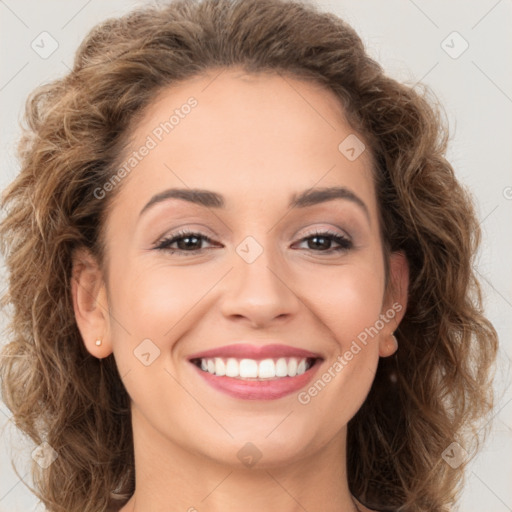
{"x": 255, "y": 370}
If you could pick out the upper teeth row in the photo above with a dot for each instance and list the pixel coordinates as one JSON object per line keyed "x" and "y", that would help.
{"x": 250, "y": 368}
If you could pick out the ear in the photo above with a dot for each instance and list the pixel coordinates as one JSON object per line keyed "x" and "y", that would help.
{"x": 395, "y": 303}
{"x": 90, "y": 303}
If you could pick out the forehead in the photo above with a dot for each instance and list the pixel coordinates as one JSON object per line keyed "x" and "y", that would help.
{"x": 250, "y": 134}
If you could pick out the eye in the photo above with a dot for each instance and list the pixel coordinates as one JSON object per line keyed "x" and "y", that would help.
{"x": 321, "y": 241}
{"x": 191, "y": 242}
{"x": 187, "y": 242}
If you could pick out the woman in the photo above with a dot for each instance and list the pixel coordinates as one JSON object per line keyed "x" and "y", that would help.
{"x": 241, "y": 274}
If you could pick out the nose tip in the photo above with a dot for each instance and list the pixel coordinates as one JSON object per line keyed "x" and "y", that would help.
{"x": 259, "y": 293}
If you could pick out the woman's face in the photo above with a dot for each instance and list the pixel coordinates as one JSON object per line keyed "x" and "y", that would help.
{"x": 255, "y": 289}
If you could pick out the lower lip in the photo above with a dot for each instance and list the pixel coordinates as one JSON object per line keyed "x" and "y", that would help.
{"x": 270, "y": 389}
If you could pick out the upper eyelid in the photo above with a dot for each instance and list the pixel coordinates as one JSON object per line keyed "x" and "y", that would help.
{"x": 199, "y": 227}
{"x": 210, "y": 239}
{"x": 192, "y": 231}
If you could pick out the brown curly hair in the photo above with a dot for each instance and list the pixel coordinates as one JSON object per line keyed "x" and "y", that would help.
{"x": 76, "y": 130}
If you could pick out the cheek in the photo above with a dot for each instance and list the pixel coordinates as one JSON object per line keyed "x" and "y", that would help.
{"x": 153, "y": 301}
{"x": 346, "y": 300}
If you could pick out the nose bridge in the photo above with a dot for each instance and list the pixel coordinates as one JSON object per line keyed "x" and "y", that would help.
{"x": 258, "y": 287}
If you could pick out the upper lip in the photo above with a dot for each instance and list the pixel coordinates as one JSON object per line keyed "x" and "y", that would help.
{"x": 257, "y": 352}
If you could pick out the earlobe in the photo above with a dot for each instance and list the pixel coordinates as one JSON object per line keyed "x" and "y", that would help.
{"x": 388, "y": 346}
{"x": 90, "y": 303}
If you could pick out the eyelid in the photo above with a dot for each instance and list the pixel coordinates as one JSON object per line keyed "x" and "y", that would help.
{"x": 343, "y": 241}
{"x": 202, "y": 230}
{"x": 191, "y": 230}
{"x": 330, "y": 230}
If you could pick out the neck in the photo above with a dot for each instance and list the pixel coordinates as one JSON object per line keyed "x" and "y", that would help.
{"x": 170, "y": 477}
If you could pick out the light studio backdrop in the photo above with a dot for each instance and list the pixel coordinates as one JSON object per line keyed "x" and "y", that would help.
{"x": 461, "y": 49}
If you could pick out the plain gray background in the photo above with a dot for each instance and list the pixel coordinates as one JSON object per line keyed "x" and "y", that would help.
{"x": 414, "y": 41}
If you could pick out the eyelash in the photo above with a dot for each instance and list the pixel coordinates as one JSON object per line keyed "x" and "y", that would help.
{"x": 344, "y": 243}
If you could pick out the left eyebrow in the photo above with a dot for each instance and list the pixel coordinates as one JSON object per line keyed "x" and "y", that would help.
{"x": 313, "y": 196}
{"x": 210, "y": 199}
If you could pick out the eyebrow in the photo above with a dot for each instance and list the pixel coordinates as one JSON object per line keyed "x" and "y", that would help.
{"x": 210, "y": 199}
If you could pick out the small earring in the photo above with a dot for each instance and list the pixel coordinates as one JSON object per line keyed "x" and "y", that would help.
{"x": 98, "y": 343}
{"x": 395, "y": 341}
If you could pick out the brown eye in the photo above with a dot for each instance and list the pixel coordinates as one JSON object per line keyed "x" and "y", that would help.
{"x": 186, "y": 242}
{"x": 322, "y": 242}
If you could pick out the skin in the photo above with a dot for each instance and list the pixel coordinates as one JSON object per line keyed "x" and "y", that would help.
{"x": 256, "y": 139}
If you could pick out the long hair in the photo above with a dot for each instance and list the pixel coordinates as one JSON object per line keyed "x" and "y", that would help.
{"x": 435, "y": 390}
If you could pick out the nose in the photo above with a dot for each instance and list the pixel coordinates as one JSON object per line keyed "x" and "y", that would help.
{"x": 259, "y": 293}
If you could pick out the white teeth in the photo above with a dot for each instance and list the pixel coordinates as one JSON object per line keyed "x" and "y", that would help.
{"x": 292, "y": 367}
{"x": 220, "y": 367}
{"x": 253, "y": 369}
{"x": 267, "y": 369}
{"x": 232, "y": 369}
{"x": 281, "y": 368}
{"x": 248, "y": 369}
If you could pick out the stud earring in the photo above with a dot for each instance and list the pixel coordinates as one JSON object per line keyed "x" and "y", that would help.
{"x": 395, "y": 341}
{"x": 98, "y": 343}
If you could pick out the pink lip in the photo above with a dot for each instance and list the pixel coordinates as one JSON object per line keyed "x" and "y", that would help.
{"x": 270, "y": 389}
{"x": 257, "y": 352}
